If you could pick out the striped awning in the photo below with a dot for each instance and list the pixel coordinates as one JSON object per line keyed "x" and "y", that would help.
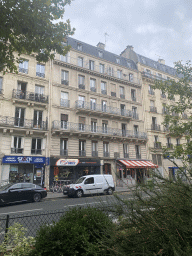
{"x": 138, "y": 164}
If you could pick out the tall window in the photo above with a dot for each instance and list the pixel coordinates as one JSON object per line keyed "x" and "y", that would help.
{"x": 102, "y": 68}
{"x": 64, "y": 147}
{"x": 93, "y": 104}
{"x": 80, "y": 61}
{"x": 134, "y": 110}
{"x": 177, "y": 141}
{"x": 103, "y": 88}
{"x": 133, "y": 95}
{"x": 37, "y": 120}
{"x": 81, "y": 102}
{"x": 23, "y": 66}
{"x": 137, "y": 152}
{"x": 64, "y": 58}
{"x": 91, "y": 65}
{"x": 104, "y": 106}
{"x": 36, "y": 146}
{"x": 39, "y": 93}
{"x": 64, "y": 99}
{"x": 106, "y": 149}
{"x": 64, "y": 121}
{"x": 64, "y": 77}
{"x": 123, "y": 127}
{"x": 17, "y": 145}
{"x": 81, "y": 81}
{"x": 94, "y": 125}
{"x": 122, "y": 92}
{"x": 131, "y": 77}
{"x": 136, "y": 130}
{"x": 94, "y": 148}
{"x": 19, "y": 116}
{"x": 119, "y": 73}
{"x": 111, "y": 71}
{"x": 81, "y": 123}
{"x": 93, "y": 85}
{"x": 122, "y": 109}
{"x": 125, "y": 151}
{"x": 82, "y": 148}
{"x": 104, "y": 126}
{"x": 40, "y": 70}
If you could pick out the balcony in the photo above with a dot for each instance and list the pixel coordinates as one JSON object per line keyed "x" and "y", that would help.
{"x": 104, "y": 92}
{"x": 153, "y": 77}
{"x": 151, "y": 92}
{"x": 78, "y": 128}
{"x": 82, "y": 86}
{"x": 164, "y": 111}
{"x": 133, "y": 98}
{"x": 153, "y": 109}
{"x": 157, "y": 145}
{"x": 126, "y": 155}
{"x": 138, "y": 156}
{"x": 122, "y": 96}
{"x": 156, "y": 127}
{"x": 106, "y": 154}
{"x": 113, "y": 94}
{"x": 135, "y": 116}
{"x": 64, "y": 103}
{"x": 94, "y": 153}
{"x": 103, "y": 109}
{"x": 6, "y": 121}
{"x": 163, "y": 96}
{"x": 16, "y": 150}
{"x": 29, "y": 96}
{"x": 65, "y": 82}
{"x": 36, "y": 151}
{"x": 63, "y": 152}
{"x": 82, "y": 152}
{"x": 23, "y": 70}
{"x": 169, "y": 145}
{"x": 93, "y": 89}
{"x": 40, "y": 74}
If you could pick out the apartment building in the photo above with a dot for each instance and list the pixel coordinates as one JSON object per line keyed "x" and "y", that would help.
{"x": 154, "y": 106}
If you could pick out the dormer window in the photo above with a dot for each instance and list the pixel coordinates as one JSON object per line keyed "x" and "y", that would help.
{"x": 79, "y": 47}
{"x": 118, "y": 61}
{"x": 100, "y": 54}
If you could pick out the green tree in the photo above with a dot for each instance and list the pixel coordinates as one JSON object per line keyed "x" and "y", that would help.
{"x": 32, "y": 26}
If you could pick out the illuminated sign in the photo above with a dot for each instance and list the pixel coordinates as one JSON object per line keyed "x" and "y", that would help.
{"x": 67, "y": 162}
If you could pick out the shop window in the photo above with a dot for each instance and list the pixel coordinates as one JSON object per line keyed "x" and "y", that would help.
{"x": 36, "y": 147}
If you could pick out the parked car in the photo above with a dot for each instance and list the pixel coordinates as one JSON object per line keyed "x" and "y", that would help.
{"x": 90, "y": 184}
{"x": 18, "y": 192}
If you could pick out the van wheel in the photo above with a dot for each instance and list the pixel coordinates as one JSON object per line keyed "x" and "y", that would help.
{"x": 79, "y": 193}
{"x": 110, "y": 191}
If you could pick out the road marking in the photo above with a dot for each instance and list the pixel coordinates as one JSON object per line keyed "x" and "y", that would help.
{"x": 72, "y": 205}
{"x": 22, "y": 211}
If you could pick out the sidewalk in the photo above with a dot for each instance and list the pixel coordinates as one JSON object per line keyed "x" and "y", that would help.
{"x": 51, "y": 195}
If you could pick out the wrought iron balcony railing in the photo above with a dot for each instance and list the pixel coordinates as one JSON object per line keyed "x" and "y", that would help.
{"x": 82, "y": 128}
{"x": 95, "y": 153}
{"x": 40, "y": 74}
{"x": 24, "y": 95}
{"x": 82, "y": 152}
{"x": 156, "y": 127}
{"x": 126, "y": 155}
{"x": 16, "y": 150}
{"x": 138, "y": 156}
{"x": 157, "y": 145}
{"x": 23, "y": 123}
{"x": 106, "y": 154}
{"x": 64, "y": 103}
{"x": 153, "y": 109}
{"x": 64, "y": 152}
{"x": 169, "y": 145}
{"x": 113, "y": 94}
{"x": 23, "y": 70}
{"x": 154, "y": 77}
{"x": 36, "y": 151}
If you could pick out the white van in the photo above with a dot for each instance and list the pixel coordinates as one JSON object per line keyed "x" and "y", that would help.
{"x": 90, "y": 184}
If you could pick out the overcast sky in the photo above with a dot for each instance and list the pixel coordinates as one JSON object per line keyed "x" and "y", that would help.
{"x": 153, "y": 27}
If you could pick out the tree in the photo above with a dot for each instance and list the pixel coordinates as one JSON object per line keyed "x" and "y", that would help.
{"x": 32, "y": 26}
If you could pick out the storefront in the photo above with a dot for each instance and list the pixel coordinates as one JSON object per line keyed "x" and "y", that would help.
{"x": 132, "y": 172}
{"x": 72, "y": 169}
{"x": 23, "y": 169}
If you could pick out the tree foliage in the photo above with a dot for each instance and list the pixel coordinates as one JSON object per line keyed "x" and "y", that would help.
{"x": 32, "y": 26}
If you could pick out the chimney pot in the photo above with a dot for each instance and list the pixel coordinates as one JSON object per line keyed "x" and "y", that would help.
{"x": 101, "y": 46}
{"x": 162, "y": 61}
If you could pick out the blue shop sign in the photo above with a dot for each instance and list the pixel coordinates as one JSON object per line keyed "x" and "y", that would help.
{"x": 23, "y": 160}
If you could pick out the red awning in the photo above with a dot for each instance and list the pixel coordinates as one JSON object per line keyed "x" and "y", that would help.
{"x": 138, "y": 164}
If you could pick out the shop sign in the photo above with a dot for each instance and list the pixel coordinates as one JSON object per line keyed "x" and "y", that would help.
{"x": 67, "y": 162}
{"x": 23, "y": 160}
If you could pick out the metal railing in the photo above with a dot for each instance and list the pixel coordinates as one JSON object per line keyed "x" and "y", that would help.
{"x": 126, "y": 155}
{"x": 94, "y": 153}
{"x": 36, "y": 151}
{"x": 106, "y": 154}
{"x": 169, "y": 145}
{"x": 157, "y": 145}
{"x": 63, "y": 152}
{"x": 156, "y": 127}
{"x": 155, "y": 77}
{"x": 17, "y": 150}
{"x": 82, "y": 128}
{"x": 24, "y": 95}
{"x": 82, "y": 152}
{"x": 138, "y": 156}
{"x": 106, "y": 109}
{"x": 113, "y": 94}
{"x": 64, "y": 103}
{"x": 22, "y": 123}
{"x": 23, "y": 70}
{"x": 40, "y": 74}
{"x": 153, "y": 109}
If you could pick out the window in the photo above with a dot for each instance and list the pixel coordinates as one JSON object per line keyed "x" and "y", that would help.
{"x": 157, "y": 159}
{"x": 89, "y": 181}
{"x": 81, "y": 102}
{"x": 177, "y": 141}
{"x": 1, "y": 84}
{"x": 93, "y": 104}
{"x": 81, "y": 81}
{"x": 82, "y": 148}
{"x": 64, "y": 147}
{"x": 64, "y": 99}
{"x": 37, "y": 120}
{"x": 111, "y": 71}
{"x": 134, "y": 110}
{"x": 79, "y": 47}
{"x": 106, "y": 149}
{"x": 125, "y": 150}
{"x": 137, "y": 152}
{"x": 122, "y": 109}
{"x": 64, "y": 121}
{"x": 102, "y": 68}
{"x": 19, "y": 116}
{"x": 91, "y": 64}
{"x": 36, "y": 146}
{"x": 81, "y": 123}
{"x": 100, "y": 54}
{"x": 93, "y": 85}
{"x": 23, "y": 66}
{"x": 169, "y": 145}
{"x": 119, "y": 73}
{"x": 64, "y": 77}
{"x": 17, "y": 145}
{"x": 103, "y": 88}
{"x": 136, "y": 130}
{"x": 123, "y": 127}
{"x": 94, "y": 125}
{"x": 104, "y": 106}
{"x": 118, "y": 61}
{"x": 94, "y": 148}
{"x": 131, "y": 77}
{"x": 151, "y": 91}
{"x": 113, "y": 90}
{"x": 80, "y": 62}
{"x": 104, "y": 126}
{"x": 40, "y": 70}
{"x": 133, "y": 95}
{"x": 39, "y": 93}
{"x": 21, "y": 90}
{"x": 64, "y": 58}
{"x": 122, "y": 92}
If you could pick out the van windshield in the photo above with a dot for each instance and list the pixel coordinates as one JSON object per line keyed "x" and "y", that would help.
{"x": 80, "y": 180}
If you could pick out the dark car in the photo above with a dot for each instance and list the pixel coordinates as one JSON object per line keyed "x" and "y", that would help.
{"x": 18, "y": 192}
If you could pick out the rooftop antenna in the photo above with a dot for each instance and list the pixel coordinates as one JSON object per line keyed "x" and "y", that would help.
{"x": 105, "y": 37}
{"x": 158, "y": 56}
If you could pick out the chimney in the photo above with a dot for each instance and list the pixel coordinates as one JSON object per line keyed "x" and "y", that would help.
{"x": 101, "y": 46}
{"x": 130, "y": 47}
{"x": 162, "y": 61}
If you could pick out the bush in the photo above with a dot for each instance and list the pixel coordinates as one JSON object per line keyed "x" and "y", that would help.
{"x": 78, "y": 232}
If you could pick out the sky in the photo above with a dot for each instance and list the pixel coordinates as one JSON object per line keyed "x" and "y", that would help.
{"x": 155, "y": 28}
